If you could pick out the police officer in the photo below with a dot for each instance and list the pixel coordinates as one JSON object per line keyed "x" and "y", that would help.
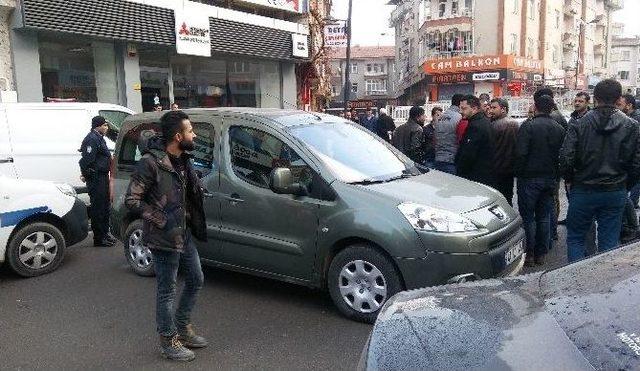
{"x": 94, "y": 166}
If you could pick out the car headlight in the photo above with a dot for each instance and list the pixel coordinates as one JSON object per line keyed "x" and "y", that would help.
{"x": 427, "y": 218}
{"x": 67, "y": 189}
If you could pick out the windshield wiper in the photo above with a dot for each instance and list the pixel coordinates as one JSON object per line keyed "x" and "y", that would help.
{"x": 367, "y": 182}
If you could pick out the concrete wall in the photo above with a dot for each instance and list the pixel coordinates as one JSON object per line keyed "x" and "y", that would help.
{"x": 26, "y": 62}
{"x": 289, "y": 86}
{"x": 104, "y": 62}
{"x": 6, "y": 66}
{"x": 129, "y": 79}
{"x": 553, "y": 34}
{"x": 485, "y": 32}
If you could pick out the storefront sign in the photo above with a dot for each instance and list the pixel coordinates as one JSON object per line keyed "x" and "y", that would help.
{"x": 335, "y": 35}
{"x": 481, "y": 63}
{"x": 192, "y": 34}
{"x": 300, "y": 45}
{"x": 486, "y": 76}
{"x": 359, "y": 104}
{"x": 290, "y": 5}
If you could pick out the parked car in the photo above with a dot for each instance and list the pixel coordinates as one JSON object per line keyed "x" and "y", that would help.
{"x": 582, "y": 316}
{"x": 38, "y": 221}
{"x": 315, "y": 200}
{"x": 42, "y": 140}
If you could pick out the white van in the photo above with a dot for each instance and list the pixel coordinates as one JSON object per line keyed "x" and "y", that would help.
{"x": 38, "y": 220}
{"x": 41, "y": 140}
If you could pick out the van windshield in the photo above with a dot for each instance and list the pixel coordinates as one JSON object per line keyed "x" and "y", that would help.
{"x": 354, "y": 155}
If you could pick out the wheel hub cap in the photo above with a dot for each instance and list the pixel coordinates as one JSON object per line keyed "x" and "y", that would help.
{"x": 38, "y": 250}
{"x": 363, "y": 286}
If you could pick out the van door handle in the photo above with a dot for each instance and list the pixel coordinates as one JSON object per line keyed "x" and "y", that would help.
{"x": 233, "y": 198}
{"x": 6, "y": 160}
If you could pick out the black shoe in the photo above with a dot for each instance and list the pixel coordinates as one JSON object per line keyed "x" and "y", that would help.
{"x": 112, "y": 239}
{"x": 539, "y": 260}
{"x": 189, "y": 338}
{"x": 529, "y": 261}
{"x": 103, "y": 243}
{"x": 172, "y": 349}
{"x": 562, "y": 222}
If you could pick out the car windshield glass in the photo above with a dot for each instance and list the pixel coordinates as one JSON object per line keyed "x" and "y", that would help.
{"x": 354, "y": 155}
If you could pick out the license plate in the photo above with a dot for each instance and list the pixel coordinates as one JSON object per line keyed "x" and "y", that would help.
{"x": 514, "y": 253}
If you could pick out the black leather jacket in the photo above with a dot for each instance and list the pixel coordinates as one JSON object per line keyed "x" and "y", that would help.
{"x": 601, "y": 151}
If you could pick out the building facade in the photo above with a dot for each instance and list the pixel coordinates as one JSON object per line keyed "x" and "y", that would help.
{"x": 150, "y": 51}
{"x": 496, "y": 47}
{"x": 6, "y": 65}
{"x": 625, "y": 60}
{"x": 371, "y": 76}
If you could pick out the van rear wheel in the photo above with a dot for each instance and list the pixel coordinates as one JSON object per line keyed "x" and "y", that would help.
{"x": 138, "y": 256}
{"x": 360, "y": 281}
{"x": 37, "y": 248}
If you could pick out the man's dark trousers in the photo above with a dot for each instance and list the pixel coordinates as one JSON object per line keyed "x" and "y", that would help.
{"x": 535, "y": 203}
{"x": 166, "y": 264}
{"x": 606, "y": 207}
{"x": 98, "y": 187}
{"x": 504, "y": 185}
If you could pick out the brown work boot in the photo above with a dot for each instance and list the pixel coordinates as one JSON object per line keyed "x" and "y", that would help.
{"x": 189, "y": 338}
{"x": 171, "y": 348}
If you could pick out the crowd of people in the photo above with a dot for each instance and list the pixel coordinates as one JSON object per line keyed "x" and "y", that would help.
{"x": 596, "y": 153}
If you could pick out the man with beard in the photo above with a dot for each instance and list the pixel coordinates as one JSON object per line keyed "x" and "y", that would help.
{"x": 581, "y": 106}
{"x": 505, "y": 131}
{"x": 166, "y": 192}
{"x": 630, "y": 227}
{"x": 476, "y": 154}
{"x": 408, "y": 137}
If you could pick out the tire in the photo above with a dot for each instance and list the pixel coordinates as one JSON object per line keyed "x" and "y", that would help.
{"x": 138, "y": 256}
{"x": 36, "y": 249}
{"x": 359, "y": 298}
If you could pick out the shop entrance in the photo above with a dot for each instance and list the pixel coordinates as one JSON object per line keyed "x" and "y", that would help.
{"x": 155, "y": 87}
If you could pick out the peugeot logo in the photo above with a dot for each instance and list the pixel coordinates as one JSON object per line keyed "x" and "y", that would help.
{"x": 498, "y": 212}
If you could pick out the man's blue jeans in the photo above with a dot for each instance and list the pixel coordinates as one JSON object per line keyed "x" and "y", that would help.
{"x": 166, "y": 266}
{"x": 446, "y": 167}
{"x": 635, "y": 194}
{"x": 535, "y": 201}
{"x": 586, "y": 205}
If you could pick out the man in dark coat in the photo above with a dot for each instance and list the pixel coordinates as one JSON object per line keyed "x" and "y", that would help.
{"x": 408, "y": 137}
{"x": 474, "y": 160}
{"x": 385, "y": 125}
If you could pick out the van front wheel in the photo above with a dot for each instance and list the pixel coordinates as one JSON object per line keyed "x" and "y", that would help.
{"x": 360, "y": 280}
{"x": 138, "y": 256}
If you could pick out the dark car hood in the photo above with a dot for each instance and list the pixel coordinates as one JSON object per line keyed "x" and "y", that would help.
{"x": 575, "y": 318}
{"x": 440, "y": 190}
{"x": 490, "y": 325}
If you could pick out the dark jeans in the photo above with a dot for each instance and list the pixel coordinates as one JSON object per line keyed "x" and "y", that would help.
{"x": 535, "y": 203}
{"x": 630, "y": 218}
{"x": 504, "y": 185}
{"x": 166, "y": 266}
{"x": 585, "y": 205}
{"x": 446, "y": 167}
{"x": 635, "y": 194}
{"x": 98, "y": 187}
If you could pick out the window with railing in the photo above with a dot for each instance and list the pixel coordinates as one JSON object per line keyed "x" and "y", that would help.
{"x": 446, "y": 45}
{"x": 376, "y": 87}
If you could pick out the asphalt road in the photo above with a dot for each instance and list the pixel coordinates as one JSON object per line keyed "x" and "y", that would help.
{"x": 94, "y": 312}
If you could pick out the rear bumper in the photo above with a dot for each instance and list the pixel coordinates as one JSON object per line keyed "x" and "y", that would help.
{"x": 77, "y": 223}
{"x": 438, "y": 268}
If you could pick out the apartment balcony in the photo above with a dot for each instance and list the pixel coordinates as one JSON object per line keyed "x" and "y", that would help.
{"x": 601, "y": 71}
{"x": 570, "y": 8}
{"x": 614, "y": 4}
{"x": 375, "y": 73}
{"x": 599, "y": 49}
{"x": 376, "y": 92}
{"x": 569, "y": 41}
{"x": 433, "y": 54}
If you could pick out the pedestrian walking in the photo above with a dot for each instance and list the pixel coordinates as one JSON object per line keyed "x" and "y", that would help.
{"x": 175, "y": 106}
{"x": 94, "y": 167}
{"x": 166, "y": 192}
{"x": 630, "y": 225}
{"x": 538, "y": 146}
{"x": 600, "y": 156}
{"x": 505, "y": 132}
{"x": 386, "y": 126}
{"x": 370, "y": 122}
{"x": 474, "y": 160}
{"x": 428, "y": 137}
{"x": 407, "y": 138}
{"x": 446, "y": 143}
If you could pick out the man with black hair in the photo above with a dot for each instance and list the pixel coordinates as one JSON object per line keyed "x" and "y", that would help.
{"x": 581, "y": 106}
{"x": 555, "y": 114}
{"x": 446, "y": 142}
{"x": 428, "y": 137}
{"x": 600, "y": 156}
{"x": 407, "y": 138}
{"x": 505, "y": 131}
{"x": 630, "y": 227}
{"x": 474, "y": 160}
{"x": 627, "y": 104}
{"x": 167, "y": 194}
{"x": 538, "y": 145}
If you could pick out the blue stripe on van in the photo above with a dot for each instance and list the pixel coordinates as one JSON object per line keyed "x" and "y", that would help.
{"x": 12, "y": 218}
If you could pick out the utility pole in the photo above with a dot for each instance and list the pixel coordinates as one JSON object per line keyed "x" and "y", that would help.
{"x": 347, "y": 83}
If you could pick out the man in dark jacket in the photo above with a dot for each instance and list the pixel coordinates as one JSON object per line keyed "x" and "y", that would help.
{"x": 627, "y": 104}
{"x": 505, "y": 131}
{"x": 445, "y": 139}
{"x": 581, "y": 106}
{"x": 408, "y": 137}
{"x": 428, "y": 137}
{"x": 370, "y": 121}
{"x": 167, "y": 194}
{"x": 476, "y": 153}
{"x": 94, "y": 167}
{"x": 536, "y": 166}
{"x": 385, "y": 125}
{"x": 600, "y": 156}
{"x": 630, "y": 226}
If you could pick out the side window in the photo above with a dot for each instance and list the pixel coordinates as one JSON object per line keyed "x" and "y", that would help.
{"x": 115, "y": 120}
{"x": 255, "y": 153}
{"x": 134, "y": 144}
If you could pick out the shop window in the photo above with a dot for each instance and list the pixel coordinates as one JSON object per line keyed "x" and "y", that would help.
{"x": 67, "y": 71}
{"x": 624, "y": 75}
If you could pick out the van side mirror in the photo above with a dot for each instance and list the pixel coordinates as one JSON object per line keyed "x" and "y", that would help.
{"x": 281, "y": 182}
